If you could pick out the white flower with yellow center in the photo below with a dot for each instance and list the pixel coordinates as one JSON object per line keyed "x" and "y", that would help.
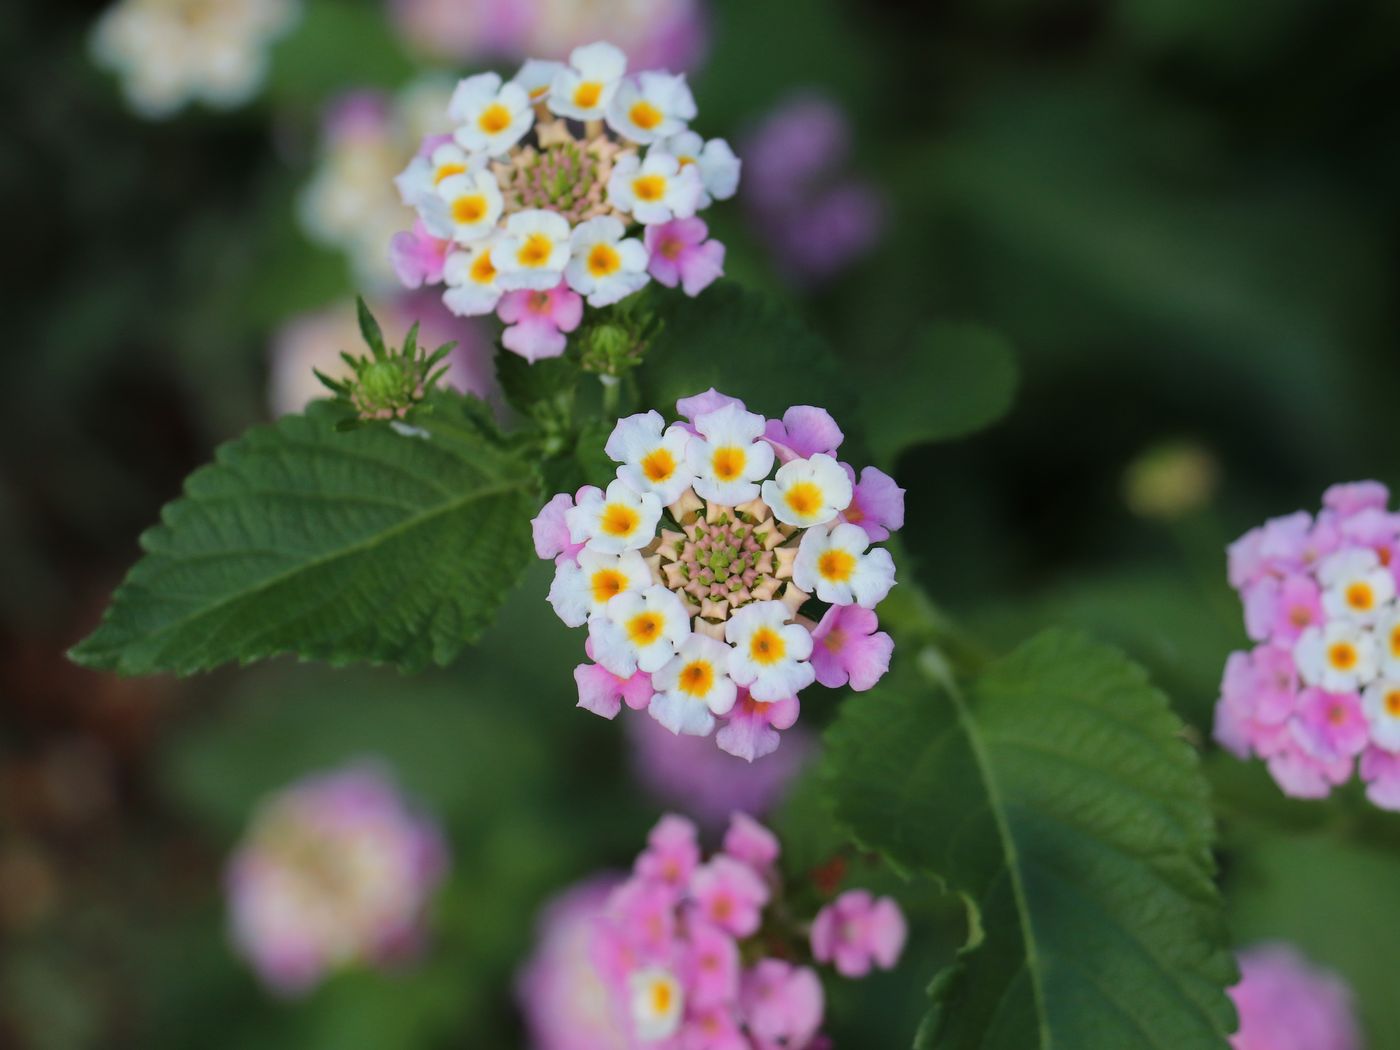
{"x": 652, "y": 455}
{"x": 639, "y": 631}
{"x": 715, "y": 160}
{"x": 472, "y": 288}
{"x": 807, "y": 492}
{"x": 769, "y": 654}
{"x": 651, "y": 106}
{"x": 694, "y": 687}
{"x": 583, "y": 590}
{"x": 466, "y": 207}
{"x": 603, "y": 265}
{"x": 1388, "y": 643}
{"x": 536, "y": 76}
{"x": 1357, "y": 586}
{"x": 621, "y": 519}
{"x": 420, "y": 180}
{"x": 584, "y": 88}
{"x": 654, "y": 190}
{"x": 1381, "y": 702}
{"x": 835, "y": 564}
{"x": 729, "y": 457}
{"x": 492, "y": 116}
{"x": 533, "y": 251}
{"x": 657, "y": 1002}
{"x": 1339, "y": 657}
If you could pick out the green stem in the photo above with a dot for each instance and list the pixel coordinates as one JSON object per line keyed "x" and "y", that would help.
{"x": 612, "y": 394}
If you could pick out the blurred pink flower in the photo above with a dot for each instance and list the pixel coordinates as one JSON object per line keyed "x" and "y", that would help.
{"x": 857, "y": 931}
{"x": 680, "y": 254}
{"x": 537, "y": 321}
{"x": 1286, "y": 1004}
{"x": 847, "y": 648}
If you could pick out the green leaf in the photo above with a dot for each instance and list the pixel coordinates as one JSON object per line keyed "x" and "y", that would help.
{"x": 745, "y": 344}
{"x": 956, "y": 379}
{"x": 1058, "y": 798}
{"x": 380, "y": 544}
{"x": 543, "y": 390}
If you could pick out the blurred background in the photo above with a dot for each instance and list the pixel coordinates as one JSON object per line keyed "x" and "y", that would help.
{"x": 1181, "y": 214}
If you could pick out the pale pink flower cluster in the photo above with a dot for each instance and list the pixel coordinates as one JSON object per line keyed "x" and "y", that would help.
{"x": 571, "y": 182}
{"x": 334, "y": 871}
{"x": 714, "y": 587}
{"x": 1321, "y": 689}
{"x": 1286, "y": 1004}
{"x": 695, "y": 954}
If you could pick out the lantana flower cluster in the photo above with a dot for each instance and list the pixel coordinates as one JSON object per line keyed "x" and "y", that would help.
{"x": 1321, "y": 689}
{"x": 571, "y": 181}
{"x": 696, "y": 952}
{"x": 715, "y": 588}
{"x": 336, "y": 870}
{"x": 1286, "y": 1003}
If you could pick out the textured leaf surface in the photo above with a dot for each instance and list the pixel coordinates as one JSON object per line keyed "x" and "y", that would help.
{"x": 368, "y": 545}
{"x": 1059, "y": 799}
{"x": 955, "y": 379}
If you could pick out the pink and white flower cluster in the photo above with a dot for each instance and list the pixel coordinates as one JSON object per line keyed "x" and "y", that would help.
{"x": 696, "y": 954}
{"x": 1285, "y": 1003}
{"x": 335, "y": 871}
{"x": 571, "y": 181}
{"x": 1321, "y": 689}
{"x": 714, "y": 587}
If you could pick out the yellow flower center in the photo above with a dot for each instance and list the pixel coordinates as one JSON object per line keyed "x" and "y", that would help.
{"x": 494, "y": 119}
{"x": 697, "y": 678}
{"x": 608, "y": 583}
{"x": 620, "y": 520}
{"x": 483, "y": 270}
{"x": 535, "y": 251}
{"x": 644, "y": 115}
{"x": 1361, "y": 597}
{"x": 649, "y": 187}
{"x": 1395, "y": 641}
{"x": 447, "y": 170}
{"x": 603, "y": 259}
{"x": 661, "y": 995}
{"x": 645, "y": 628}
{"x": 805, "y": 498}
{"x": 767, "y": 646}
{"x": 658, "y": 465}
{"x": 469, "y": 209}
{"x": 728, "y": 462}
{"x": 1342, "y": 656}
{"x": 1392, "y": 703}
{"x": 836, "y": 565}
{"x": 587, "y": 94}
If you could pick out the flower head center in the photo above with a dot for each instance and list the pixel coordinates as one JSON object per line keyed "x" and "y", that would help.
{"x": 1361, "y": 597}
{"x": 619, "y": 520}
{"x": 494, "y": 119}
{"x": 836, "y": 565}
{"x": 671, "y": 247}
{"x": 728, "y": 462}
{"x": 645, "y": 115}
{"x": 658, "y": 465}
{"x": 603, "y": 260}
{"x": 1392, "y": 703}
{"x": 535, "y": 251}
{"x": 446, "y": 171}
{"x": 805, "y": 498}
{"x": 1342, "y": 656}
{"x": 607, "y": 583}
{"x": 697, "y": 678}
{"x": 469, "y": 209}
{"x": 767, "y": 646}
{"x": 1300, "y": 616}
{"x": 644, "y": 628}
{"x": 587, "y": 94}
{"x": 1336, "y": 715}
{"x": 649, "y": 187}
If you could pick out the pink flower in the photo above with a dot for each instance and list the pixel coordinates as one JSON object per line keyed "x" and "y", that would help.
{"x": 782, "y": 1003}
{"x": 1277, "y": 546}
{"x": 672, "y": 853}
{"x": 418, "y": 257}
{"x": 1348, "y": 498}
{"x": 749, "y": 841}
{"x": 560, "y": 992}
{"x": 645, "y": 913}
{"x": 1258, "y": 696}
{"x": 604, "y": 693}
{"x": 1300, "y": 775}
{"x": 711, "y": 966}
{"x": 1380, "y": 769}
{"x": 697, "y": 405}
{"x": 328, "y": 824}
{"x": 729, "y": 894}
{"x": 803, "y": 432}
{"x": 1286, "y": 1004}
{"x": 690, "y": 771}
{"x": 877, "y": 503}
{"x": 1280, "y": 610}
{"x": 551, "y": 530}
{"x": 751, "y": 729}
{"x": 856, "y": 931}
{"x": 680, "y": 254}
{"x": 714, "y": 1028}
{"x": 847, "y": 648}
{"x": 1330, "y": 727}
{"x": 537, "y": 321}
